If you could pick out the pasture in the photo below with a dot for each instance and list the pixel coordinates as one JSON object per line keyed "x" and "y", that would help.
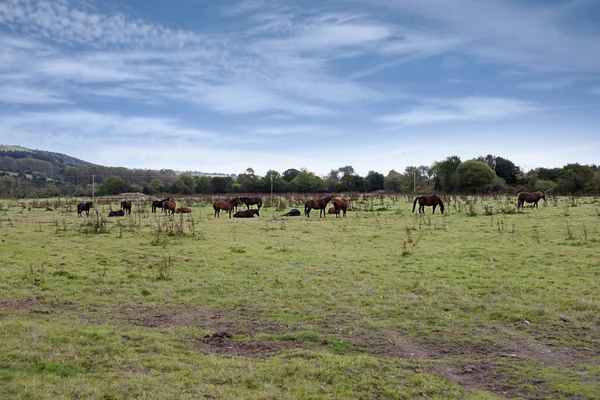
{"x": 480, "y": 302}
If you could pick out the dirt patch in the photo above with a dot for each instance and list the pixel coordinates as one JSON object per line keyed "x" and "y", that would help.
{"x": 478, "y": 375}
{"x": 221, "y": 343}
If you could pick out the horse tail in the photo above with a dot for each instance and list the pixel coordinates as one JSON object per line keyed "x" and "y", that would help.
{"x": 215, "y": 206}
{"x": 415, "y": 204}
{"x": 306, "y": 208}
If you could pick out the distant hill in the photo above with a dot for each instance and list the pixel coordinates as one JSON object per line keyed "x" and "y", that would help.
{"x": 18, "y": 158}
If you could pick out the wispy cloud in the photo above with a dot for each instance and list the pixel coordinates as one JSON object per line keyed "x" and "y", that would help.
{"x": 550, "y": 84}
{"x": 460, "y": 109}
{"x": 17, "y": 94}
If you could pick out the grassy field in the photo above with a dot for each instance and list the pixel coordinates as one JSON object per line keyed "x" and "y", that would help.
{"x": 482, "y": 302}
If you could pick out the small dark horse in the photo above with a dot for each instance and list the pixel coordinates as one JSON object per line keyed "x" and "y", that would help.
{"x": 294, "y": 212}
{"x": 126, "y": 206}
{"x": 250, "y": 201}
{"x": 226, "y": 205}
{"x": 159, "y": 204}
{"x": 169, "y": 206}
{"x": 119, "y": 213}
{"x": 340, "y": 204}
{"x": 530, "y": 198}
{"x": 428, "y": 201}
{"x": 81, "y": 207}
{"x": 320, "y": 205}
{"x": 246, "y": 214}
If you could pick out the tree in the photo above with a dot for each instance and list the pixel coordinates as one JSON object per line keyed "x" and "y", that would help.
{"x": 289, "y": 174}
{"x": 474, "y": 176}
{"x": 264, "y": 183}
{"x": 350, "y": 183}
{"x": 393, "y": 181}
{"x": 307, "y": 182}
{"x": 506, "y": 170}
{"x": 203, "y": 184}
{"x": 575, "y": 178}
{"x": 444, "y": 174}
{"x": 374, "y": 181}
{"x": 218, "y": 184}
{"x": 347, "y": 170}
{"x": 113, "y": 185}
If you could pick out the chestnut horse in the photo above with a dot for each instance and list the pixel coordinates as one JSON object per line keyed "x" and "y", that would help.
{"x": 250, "y": 201}
{"x": 159, "y": 204}
{"x": 169, "y": 206}
{"x": 340, "y": 204}
{"x": 227, "y": 205}
{"x": 320, "y": 205}
{"x": 126, "y": 206}
{"x": 333, "y": 210}
{"x": 183, "y": 210}
{"x": 246, "y": 214}
{"x": 530, "y": 198}
{"x": 428, "y": 201}
{"x": 81, "y": 207}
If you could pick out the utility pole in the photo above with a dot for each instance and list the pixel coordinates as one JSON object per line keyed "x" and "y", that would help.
{"x": 271, "y": 186}
{"x": 415, "y": 181}
{"x": 93, "y": 186}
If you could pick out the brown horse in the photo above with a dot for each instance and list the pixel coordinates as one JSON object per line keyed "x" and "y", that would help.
{"x": 251, "y": 201}
{"x": 126, "y": 206}
{"x": 428, "y": 201}
{"x": 530, "y": 198}
{"x": 246, "y": 214}
{"x": 119, "y": 213}
{"x": 320, "y": 205}
{"x": 227, "y": 205}
{"x": 81, "y": 207}
{"x": 169, "y": 206}
{"x": 333, "y": 210}
{"x": 159, "y": 204}
{"x": 340, "y": 204}
{"x": 183, "y": 210}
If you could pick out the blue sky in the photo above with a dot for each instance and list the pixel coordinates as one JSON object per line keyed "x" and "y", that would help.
{"x": 376, "y": 84}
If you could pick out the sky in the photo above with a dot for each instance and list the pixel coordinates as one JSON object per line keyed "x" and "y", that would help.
{"x": 222, "y": 86}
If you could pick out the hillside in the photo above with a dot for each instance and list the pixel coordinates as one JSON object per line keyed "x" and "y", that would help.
{"x": 17, "y": 158}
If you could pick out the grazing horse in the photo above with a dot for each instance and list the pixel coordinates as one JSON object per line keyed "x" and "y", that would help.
{"x": 294, "y": 212}
{"x": 183, "y": 210}
{"x": 226, "y": 205}
{"x": 428, "y": 201}
{"x": 126, "y": 206}
{"x": 159, "y": 204}
{"x": 81, "y": 207}
{"x": 333, "y": 210}
{"x": 246, "y": 214}
{"x": 320, "y": 205}
{"x": 169, "y": 206}
{"x": 250, "y": 201}
{"x": 118, "y": 213}
{"x": 340, "y": 204}
{"x": 530, "y": 198}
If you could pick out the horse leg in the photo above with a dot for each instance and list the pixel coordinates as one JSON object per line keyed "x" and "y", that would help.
{"x": 434, "y": 206}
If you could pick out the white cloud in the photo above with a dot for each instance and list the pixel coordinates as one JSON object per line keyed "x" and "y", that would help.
{"x": 550, "y": 84}
{"x": 18, "y": 94}
{"x": 460, "y": 109}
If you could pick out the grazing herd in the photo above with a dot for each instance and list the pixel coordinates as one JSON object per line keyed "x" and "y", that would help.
{"x": 339, "y": 206}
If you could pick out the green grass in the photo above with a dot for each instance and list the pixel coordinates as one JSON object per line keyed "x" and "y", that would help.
{"x": 482, "y": 302}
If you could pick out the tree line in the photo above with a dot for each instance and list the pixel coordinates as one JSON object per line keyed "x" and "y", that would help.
{"x": 486, "y": 174}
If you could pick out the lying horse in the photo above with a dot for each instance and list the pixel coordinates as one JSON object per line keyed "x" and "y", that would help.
{"x": 320, "y": 205}
{"x": 530, "y": 198}
{"x": 159, "y": 204}
{"x": 250, "y": 201}
{"x": 183, "y": 210}
{"x": 169, "y": 206}
{"x": 428, "y": 201}
{"x": 81, "y": 207}
{"x": 335, "y": 211}
{"x": 246, "y": 214}
{"x": 126, "y": 206}
{"x": 227, "y": 205}
{"x": 118, "y": 213}
{"x": 340, "y": 204}
{"x": 294, "y": 212}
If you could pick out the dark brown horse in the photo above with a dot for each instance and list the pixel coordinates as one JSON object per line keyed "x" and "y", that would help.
{"x": 159, "y": 204}
{"x": 530, "y": 198}
{"x": 118, "y": 213}
{"x": 169, "y": 206}
{"x": 428, "y": 201}
{"x": 333, "y": 210}
{"x": 183, "y": 210}
{"x": 320, "y": 205}
{"x": 251, "y": 201}
{"x": 340, "y": 204}
{"x": 294, "y": 212}
{"x": 226, "y": 205}
{"x": 81, "y": 207}
{"x": 247, "y": 213}
{"x": 126, "y": 206}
